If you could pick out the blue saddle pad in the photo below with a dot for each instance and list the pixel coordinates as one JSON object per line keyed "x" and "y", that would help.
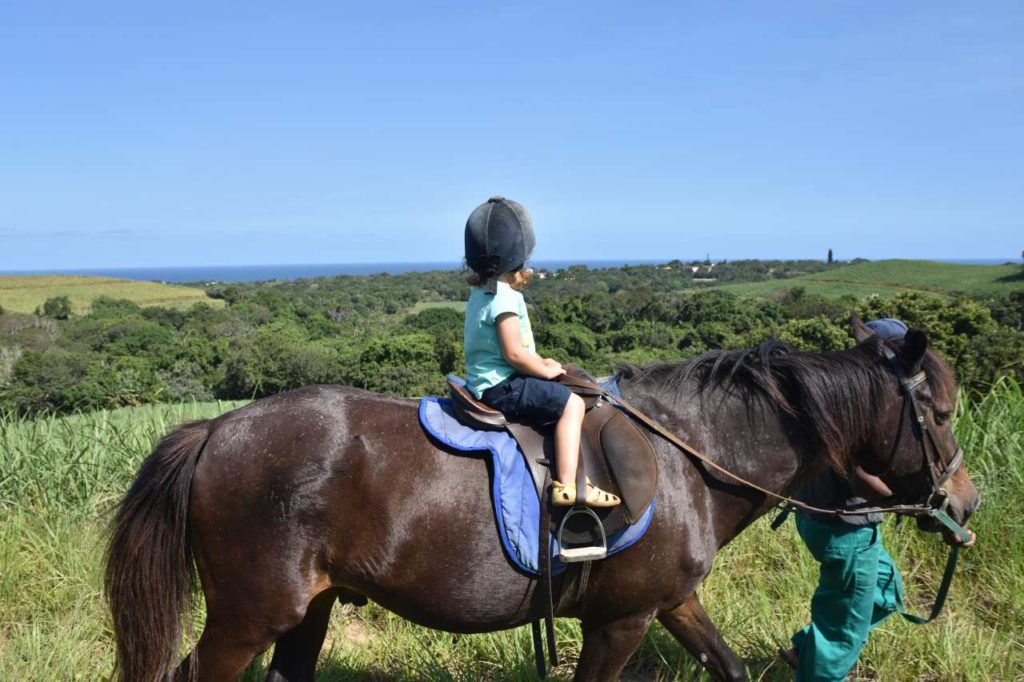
{"x": 516, "y": 505}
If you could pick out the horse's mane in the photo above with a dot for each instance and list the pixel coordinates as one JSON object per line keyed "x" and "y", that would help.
{"x": 833, "y": 395}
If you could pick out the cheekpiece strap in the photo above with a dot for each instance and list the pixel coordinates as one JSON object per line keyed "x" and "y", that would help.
{"x": 951, "y": 467}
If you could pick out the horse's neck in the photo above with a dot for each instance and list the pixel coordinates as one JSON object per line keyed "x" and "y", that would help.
{"x": 753, "y": 444}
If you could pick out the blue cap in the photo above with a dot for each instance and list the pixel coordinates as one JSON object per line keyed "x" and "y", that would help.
{"x": 888, "y": 328}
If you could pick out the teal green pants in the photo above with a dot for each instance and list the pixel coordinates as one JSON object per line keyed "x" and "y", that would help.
{"x": 858, "y": 588}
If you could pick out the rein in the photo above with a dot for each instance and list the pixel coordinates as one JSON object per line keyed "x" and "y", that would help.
{"x": 935, "y": 506}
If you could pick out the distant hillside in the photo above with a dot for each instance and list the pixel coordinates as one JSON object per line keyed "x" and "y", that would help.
{"x": 890, "y": 277}
{"x": 24, "y": 293}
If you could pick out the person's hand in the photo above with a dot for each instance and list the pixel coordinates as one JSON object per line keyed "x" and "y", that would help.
{"x": 553, "y": 369}
{"x": 969, "y": 542}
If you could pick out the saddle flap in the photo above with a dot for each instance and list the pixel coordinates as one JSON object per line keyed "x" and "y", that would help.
{"x": 632, "y": 463}
{"x": 471, "y": 411}
{"x": 620, "y": 459}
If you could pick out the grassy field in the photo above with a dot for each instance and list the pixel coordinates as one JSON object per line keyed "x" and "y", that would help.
{"x": 25, "y": 293}
{"x": 58, "y": 477}
{"x": 890, "y": 277}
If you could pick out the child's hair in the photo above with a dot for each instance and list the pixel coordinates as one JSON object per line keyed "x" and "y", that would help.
{"x": 520, "y": 278}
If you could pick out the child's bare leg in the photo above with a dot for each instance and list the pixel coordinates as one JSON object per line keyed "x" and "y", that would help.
{"x": 567, "y": 439}
{"x": 567, "y": 458}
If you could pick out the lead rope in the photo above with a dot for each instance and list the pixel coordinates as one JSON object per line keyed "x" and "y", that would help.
{"x": 907, "y": 509}
{"x": 694, "y": 452}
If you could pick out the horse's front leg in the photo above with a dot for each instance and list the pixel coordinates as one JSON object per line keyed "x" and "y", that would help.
{"x": 607, "y": 646}
{"x": 689, "y": 624}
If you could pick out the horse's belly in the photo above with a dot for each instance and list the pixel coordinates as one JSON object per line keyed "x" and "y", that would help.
{"x": 447, "y": 607}
{"x": 419, "y": 536}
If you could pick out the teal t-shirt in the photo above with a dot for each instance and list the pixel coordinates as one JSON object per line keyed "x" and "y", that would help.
{"x": 485, "y": 365}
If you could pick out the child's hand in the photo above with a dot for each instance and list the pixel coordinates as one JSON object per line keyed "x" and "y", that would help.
{"x": 553, "y": 369}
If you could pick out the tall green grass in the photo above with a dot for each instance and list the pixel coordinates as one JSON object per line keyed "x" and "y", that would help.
{"x": 60, "y": 476}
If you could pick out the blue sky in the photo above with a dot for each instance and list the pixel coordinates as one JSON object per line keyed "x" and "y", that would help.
{"x": 155, "y": 134}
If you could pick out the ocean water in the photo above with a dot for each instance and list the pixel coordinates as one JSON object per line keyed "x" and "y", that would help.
{"x": 258, "y": 273}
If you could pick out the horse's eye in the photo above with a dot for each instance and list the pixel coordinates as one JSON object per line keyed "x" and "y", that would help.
{"x": 941, "y": 417}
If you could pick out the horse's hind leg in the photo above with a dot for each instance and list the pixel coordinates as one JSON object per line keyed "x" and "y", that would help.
{"x": 608, "y": 645}
{"x": 244, "y": 618}
{"x": 689, "y": 624}
{"x": 296, "y": 653}
{"x": 222, "y": 654}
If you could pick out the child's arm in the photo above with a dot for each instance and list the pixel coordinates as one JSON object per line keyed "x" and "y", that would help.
{"x": 521, "y": 359}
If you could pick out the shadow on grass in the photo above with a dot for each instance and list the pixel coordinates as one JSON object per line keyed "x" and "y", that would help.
{"x": 659, "y": 658}
{"x": 333, "y": 668}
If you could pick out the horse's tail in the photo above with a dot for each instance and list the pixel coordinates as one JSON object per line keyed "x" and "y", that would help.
{"x": 150, "y": 580}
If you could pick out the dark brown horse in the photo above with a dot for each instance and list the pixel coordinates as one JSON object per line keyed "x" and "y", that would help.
{"x": 331, "y": 493}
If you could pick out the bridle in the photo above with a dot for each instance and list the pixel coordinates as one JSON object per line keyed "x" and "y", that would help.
{"x": 936, "y": 503}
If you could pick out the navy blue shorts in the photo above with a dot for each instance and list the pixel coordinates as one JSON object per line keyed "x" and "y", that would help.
{"x": 528, "y": 398}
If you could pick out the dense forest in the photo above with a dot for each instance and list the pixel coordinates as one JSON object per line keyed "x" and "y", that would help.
{"x": 402, "y": 333}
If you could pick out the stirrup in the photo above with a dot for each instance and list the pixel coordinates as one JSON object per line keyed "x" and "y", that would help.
{"x": 595, "y": 552}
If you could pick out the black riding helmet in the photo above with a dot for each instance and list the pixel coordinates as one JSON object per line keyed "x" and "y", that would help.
{"x": 499, "y": 237}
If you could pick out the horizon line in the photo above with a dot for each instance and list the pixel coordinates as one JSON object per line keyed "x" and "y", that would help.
{"x": 571, "y": 261}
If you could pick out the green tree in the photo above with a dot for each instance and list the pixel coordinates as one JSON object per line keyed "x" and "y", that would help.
{"x": 1008, "y": 310}
{"x": 817, "y": 334}
{"x": 275, "y": 358}
{"x": 44, "y": 381}
{"x": 405, "y": 364}
{"x": 57, "y": 308}
{"x": 567, "y": 343}
{"x": 127, "y": 381}
{"x": 991, "y": 356}
{"x": 439, "y": 320}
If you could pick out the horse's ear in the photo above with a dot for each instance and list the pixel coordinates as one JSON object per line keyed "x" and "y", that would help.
{"x": 861, "y": 332}
{"x": 914, "y": 348}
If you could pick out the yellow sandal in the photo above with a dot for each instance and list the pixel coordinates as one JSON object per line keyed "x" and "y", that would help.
{"x": 565, "y": 495}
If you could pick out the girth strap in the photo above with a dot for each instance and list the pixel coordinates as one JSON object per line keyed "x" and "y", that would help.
{"x": 547, "y": 601}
